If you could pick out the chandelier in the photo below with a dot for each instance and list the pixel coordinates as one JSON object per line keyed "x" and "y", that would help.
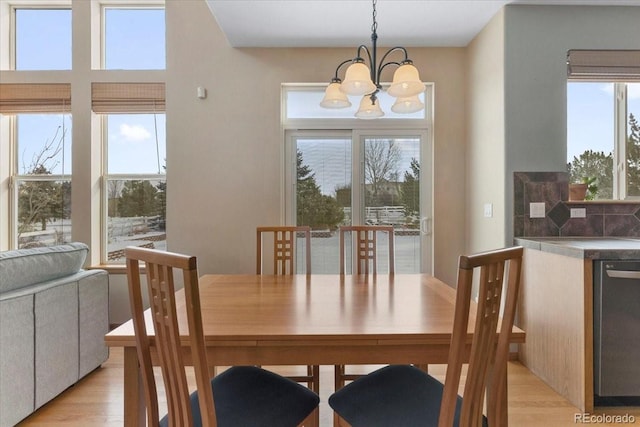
{"x": 362, "y": 80}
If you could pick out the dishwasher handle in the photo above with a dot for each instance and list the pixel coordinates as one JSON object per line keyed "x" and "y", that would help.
{"x": 623, "y": 274}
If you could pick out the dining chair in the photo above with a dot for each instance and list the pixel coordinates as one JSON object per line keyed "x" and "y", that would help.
{"x": 364, "y": 240}
{"x": 407, "y": 396}
{"x": 365, "y": 244}
{"x": 241, "y": 395}
{"x": 284, "y": 250}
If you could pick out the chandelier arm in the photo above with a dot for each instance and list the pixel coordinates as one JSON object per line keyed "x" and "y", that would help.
{"x": 336, "y": 78}
{"x": 359, "y": 55}
{"x": 389, "y": 52}
{"x": 382, "y": 67}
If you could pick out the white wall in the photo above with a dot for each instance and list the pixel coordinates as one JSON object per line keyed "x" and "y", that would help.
{"x": 486, "y": 141}
{"x": 224, "y": 153}
{"x": 537, "y": 39}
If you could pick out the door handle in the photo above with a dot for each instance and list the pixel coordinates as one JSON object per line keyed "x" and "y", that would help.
{"x": 623, "y": 274}
{"x": 425, "y": 225}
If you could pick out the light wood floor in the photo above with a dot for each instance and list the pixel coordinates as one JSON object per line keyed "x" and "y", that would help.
{"x": 97, "y": 400}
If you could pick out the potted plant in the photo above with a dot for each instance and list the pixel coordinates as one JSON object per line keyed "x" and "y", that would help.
{"x": 585, "y": 190}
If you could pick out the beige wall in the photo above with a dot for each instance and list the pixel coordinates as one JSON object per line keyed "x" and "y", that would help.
{"x": 486, "y": 142}
{"x": 224, "y": 153}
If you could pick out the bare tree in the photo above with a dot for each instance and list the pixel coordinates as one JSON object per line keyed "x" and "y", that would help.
{"x": 381, "y": 158}
{"x": 39, "y": 201}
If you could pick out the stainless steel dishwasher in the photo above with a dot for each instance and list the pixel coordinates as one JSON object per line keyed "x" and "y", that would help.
{"x": 616, "y": 332}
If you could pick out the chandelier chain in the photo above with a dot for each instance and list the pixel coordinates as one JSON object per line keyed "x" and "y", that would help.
{"x": 374, "y": 26}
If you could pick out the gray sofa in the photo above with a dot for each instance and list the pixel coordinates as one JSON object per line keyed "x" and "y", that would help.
{"x": 53, "y": 318}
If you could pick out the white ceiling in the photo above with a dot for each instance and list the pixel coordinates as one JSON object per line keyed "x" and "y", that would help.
{"x": 346, "y": 23}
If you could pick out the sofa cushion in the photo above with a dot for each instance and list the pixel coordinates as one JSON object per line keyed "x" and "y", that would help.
{"x": 17, "y": 350}
{"x": 26, "y": 267}
{"x": 56, "y": 341}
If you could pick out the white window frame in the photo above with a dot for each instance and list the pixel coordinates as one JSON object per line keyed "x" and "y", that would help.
{"x": 106, "y": 177}
{"x": 15, "y": 178}
{"x": 98, "y": 18}
{"x": 619, "y": 153}
{"x": 356, "y": 130}
{"x": 8, "y": 29}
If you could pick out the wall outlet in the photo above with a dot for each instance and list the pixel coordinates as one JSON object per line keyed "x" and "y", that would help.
{"x": 536, "y": 210}
{"x": 578, "y": 213}
{"x": 488, "y": 210}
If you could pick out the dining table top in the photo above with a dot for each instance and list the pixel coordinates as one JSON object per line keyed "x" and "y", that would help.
{"x": 239, "y": 309}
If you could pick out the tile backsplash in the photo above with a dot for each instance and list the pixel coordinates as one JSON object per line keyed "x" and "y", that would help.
{"x": 603, "y": 219}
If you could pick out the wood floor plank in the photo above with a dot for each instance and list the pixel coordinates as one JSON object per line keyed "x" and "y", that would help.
{"x": 97, "y": 400}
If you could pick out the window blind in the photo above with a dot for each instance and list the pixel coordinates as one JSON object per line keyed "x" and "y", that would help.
{"x": 609, "y": 65}
{"x": 34, "y": 98}
{"x": 127, "y": 97}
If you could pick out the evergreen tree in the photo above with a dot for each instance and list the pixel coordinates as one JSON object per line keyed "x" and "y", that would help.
{"x": 410, "y": 189}
{"x": 633, "y": 157}
{"x": 138, "y": 198}
{"x": 39, "y": 201}
{"x": 314, "y": 209}
{"x": 594, "y": 164}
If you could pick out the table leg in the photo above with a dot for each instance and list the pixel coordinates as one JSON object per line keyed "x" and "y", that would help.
{"x": 134, "y": 406}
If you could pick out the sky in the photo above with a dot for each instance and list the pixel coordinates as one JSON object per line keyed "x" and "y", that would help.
{"x": 590, "y": 121}
{"x": 134, "y": 40}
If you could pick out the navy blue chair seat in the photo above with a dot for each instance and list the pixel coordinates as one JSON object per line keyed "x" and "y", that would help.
{"x": 247, "y": 396}
{"x": 405, "y": 396}
{"x": 393, "y": 396}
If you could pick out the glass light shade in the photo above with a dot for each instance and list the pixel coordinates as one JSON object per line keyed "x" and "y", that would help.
{"x": 334, "y": 97}
{"x": 406, "y": 82}
{"x": 368, "y": 110}
{"x": 357, "y": 80}
{"x": 407, "y": 105}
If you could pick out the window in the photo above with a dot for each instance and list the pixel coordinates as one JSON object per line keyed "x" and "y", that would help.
{"x": 42, "y": 39}
{"x": 135, "y": 182}
{"x": 603, "y": 136}
{"x": 343, "y": 171}
{"x": 37, "y": 127}
{"x": 134, "y": 38}
{"x": 121, "y": 144}
{"x": 42, "y": 182}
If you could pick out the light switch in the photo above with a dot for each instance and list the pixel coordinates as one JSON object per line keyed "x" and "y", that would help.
{"x": 536, "y": 210}
{"x": 578, "y": 213}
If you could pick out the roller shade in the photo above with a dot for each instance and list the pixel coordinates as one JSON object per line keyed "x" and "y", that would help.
{"x": 127, "y": 97}
{"x": 34, "y": 98}
{"x": 609, "y": 65}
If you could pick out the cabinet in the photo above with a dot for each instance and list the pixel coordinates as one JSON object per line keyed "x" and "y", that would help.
{"x": 555, "y": 311}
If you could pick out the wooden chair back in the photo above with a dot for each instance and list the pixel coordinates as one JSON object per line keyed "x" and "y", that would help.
{"x": 284, "y": 248}
{"x": 365, "y": 245}
{"x": 488, "y": 358}
{"x": 160, "y": 268}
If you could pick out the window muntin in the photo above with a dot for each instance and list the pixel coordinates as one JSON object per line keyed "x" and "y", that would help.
{"x": 42, "y": 181}
{"x": 134, "y": 38}
{"x": 135, "y": 185}
{"x": 42, "y": 39}
{"x": 632, "y": 149}
{"x": 601, "y": 140}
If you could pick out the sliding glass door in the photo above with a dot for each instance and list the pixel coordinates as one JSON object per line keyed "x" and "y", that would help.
{"x": 380, "y": 177}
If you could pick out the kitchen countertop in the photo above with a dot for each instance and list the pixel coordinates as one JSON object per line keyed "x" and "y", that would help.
{"x": 585, "y": 247}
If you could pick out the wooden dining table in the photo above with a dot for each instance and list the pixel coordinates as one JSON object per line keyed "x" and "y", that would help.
{"x": 310, "y": 320}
